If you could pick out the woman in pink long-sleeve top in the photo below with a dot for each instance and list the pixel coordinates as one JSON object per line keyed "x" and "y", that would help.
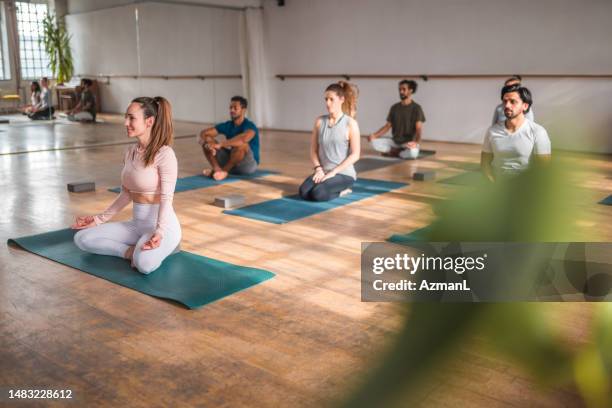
{"x": 148, "y": 180}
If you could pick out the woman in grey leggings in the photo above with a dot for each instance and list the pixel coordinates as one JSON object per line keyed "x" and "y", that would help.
{"x": 335, "y": 146}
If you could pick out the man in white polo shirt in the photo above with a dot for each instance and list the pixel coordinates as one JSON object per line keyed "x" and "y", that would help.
{"x": 511, "y": 146}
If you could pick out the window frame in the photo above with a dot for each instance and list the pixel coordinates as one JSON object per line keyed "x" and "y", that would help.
{"x": 33, "y": 60}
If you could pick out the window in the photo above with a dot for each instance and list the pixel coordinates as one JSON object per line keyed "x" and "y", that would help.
{"x": 5, "y": 68}
{"x": 34, "y": 59}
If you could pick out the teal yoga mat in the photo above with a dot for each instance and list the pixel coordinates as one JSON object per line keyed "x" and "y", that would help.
{"x": 286, "y": 209}
{"x": 465, "y": 179}
{"x": 606, "y": 201}
{"x": 187, "y": 278}
{"x": 201, "y": 181}
{"x": 414, "y": 236}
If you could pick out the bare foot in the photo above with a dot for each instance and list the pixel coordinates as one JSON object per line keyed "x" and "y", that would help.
{"x": 346, "y": 191}
{"x": 219, "y": 175}
{"x": 208, "y": 172}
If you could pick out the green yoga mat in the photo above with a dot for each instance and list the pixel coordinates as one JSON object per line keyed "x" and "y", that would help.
{"x": 201, "y": 181}
{"x": 187, "y": 278}
{"x": 470, "y": 178}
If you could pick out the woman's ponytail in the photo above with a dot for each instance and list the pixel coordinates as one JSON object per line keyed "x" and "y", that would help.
{"x": 162, "y": 132}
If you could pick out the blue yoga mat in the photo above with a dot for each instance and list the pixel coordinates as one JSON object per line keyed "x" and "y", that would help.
{"x": 201, "y": 181}
{"x": 606, "y": 201}
{"x": 187, "y": 278}
{"x": 286, "y": 209}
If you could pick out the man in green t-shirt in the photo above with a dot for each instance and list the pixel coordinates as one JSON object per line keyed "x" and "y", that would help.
{"x": 405, "y": 119}
{"x": 85, "y": 110}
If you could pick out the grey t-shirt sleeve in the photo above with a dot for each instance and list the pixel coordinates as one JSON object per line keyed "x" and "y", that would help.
{"x": 486, "y": 144}
{"x": 541, "y": 143}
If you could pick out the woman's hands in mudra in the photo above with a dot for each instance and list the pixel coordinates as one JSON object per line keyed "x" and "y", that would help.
{"x": 153, "y": 242}
{"x": 82, "y": 222}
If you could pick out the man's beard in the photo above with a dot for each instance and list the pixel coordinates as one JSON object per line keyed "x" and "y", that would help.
{"x": 510, "y": 116}
{"x": 402, "y": 97}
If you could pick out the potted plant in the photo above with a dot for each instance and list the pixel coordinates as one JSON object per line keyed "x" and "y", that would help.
{"x": 57, "y": 45}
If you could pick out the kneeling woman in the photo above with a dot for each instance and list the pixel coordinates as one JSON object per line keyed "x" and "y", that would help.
{"x": 148, "y": 179}
{"x": 334, "y": 148}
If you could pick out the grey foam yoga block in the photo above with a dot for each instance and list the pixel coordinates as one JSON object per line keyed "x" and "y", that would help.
{"x": 81, "y": 187}
{"x": 229, "y": 201}
{"x": 424, "y": 175}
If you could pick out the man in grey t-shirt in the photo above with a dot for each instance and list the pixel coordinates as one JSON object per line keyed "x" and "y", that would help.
{"x": 405, "y": 119}
{"x": 511, "y": 146}
{"x": 498, "y": 115}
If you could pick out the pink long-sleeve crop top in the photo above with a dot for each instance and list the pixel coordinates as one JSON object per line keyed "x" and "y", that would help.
{"x": 157, "y": 178}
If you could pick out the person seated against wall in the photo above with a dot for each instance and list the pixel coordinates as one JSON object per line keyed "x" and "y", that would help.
{"x": 499, "y": 116}
{"x": 335, "y": 146}
{"x": 238, "y": 153}
{"x": 510, "y": 147}
{"x": 405, "y": 119}
{"x": 85, "y": 109}
{"x": 78, "y": 90}
{"x": 44, "y": 109}
{"x": 34, "y": 98}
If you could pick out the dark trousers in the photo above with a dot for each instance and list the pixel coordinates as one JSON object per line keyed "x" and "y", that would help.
{"x": 42, "y": 115}
{"x": 327, "y": 190}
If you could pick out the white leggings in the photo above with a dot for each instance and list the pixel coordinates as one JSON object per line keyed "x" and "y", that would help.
{"x": 385, "y": 144}
{"x": 116, "y": 237}
{"x": 81, "y": 117}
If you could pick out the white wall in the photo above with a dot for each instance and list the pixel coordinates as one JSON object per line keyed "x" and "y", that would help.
{"x": 363, "y": 37}
{"x": 447, "y": 37}
{"x": 161, "y": 38}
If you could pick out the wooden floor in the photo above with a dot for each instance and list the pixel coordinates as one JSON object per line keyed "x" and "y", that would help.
{"x": 301, "y": 339}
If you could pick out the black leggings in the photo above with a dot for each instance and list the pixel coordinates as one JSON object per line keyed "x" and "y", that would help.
{"x": 42, "y": 115}
{"x": 327, "y": 190}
